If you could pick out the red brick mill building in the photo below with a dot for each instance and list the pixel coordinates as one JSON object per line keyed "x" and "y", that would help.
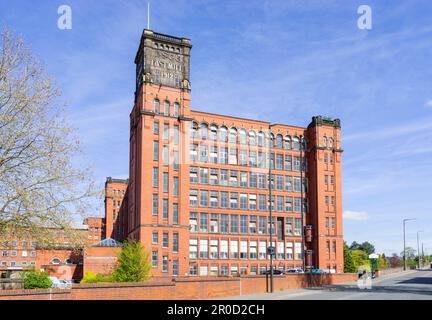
{"x": 197, "y": 196}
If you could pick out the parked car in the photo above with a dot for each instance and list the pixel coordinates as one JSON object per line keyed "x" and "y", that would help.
{"x": 275, "y": 272}
{"x": 318, "y": 271}
{"x": 60, "y": 283}
{"x": 294, "y": 270}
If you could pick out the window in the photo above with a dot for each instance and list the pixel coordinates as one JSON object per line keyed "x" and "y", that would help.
{"x": 165, "y": 209}
{"x": 155, "y": 150}
{"x": 252, "y": 180}
{"x": 262, "y": 225}
{"x": 288, "y": 227}
{"x": 165, "y": 182}
{"x": 193, "y": 221}
{"x": 243, "y": 201}
{"x": 288, "y": 163}
{"x": 261, "y": 159}
{"x": 330, "y": 142}
{"x": 252, "y": 138}
{"x": 203, "y": 222}
{"x": 203, "y": 271}
{"x": 203, "y": 153}
{"x": 193, "y": 153}
{"x": 165, "y": 264}
{"x": 280, "y": 251}
{"x": 232, "y": 156}
{"x": 234, "y": 200}
{"x": 165, "y": 156}
{"x": 165, "y": 240}
{"x": 175, "y": 213}
{"x": 214, "y": 223}
{"x": 193, "y": 198}
{"x": 175, "y": 242}
{"x": 224, "y": 249}
{"x": 296, "y": 163}
{"x": 253, "y": 250}
{"x": 155, "y": 204}
{"x": 193, "y": 175}
{"x": 233, "y": 178}
{"x": 296, "y": 143}
{"x": 224, "y": 199}
{"x": 193, "y": 248}
{"x": 155, "y": 177}
{"x": 176, "y": 109}
{"x": 253, "y": 224}
{"x": 166, "y": 108}
{"x": 213, "y": 154}
{"x": 194, "y": 130}
{"x": 233, "y": 135}
{"x": 243, "y": 158}
{"x": 287, "y": 142}
{"x": 260, "y": 139}
{"x": 297, "y": 187}
{"x": 156, "y": 106}
{"x": 223, "y": 177}
{"x": 298, "y": 250}
{"x": 234, "y": 223}
{"x": 243, "y": 224}
{"x": 252, "y": 202}
{"x": 297, "y": 228}
{"x": 288, "y": 204}
{"x": 333, "y": 223}
{"x": 213, "y": 132}
{"x": 327, "y": 223}
{"x": 203, "y": 198}
{"x": 242, "y": 134}
{"x": 175, "y": 186}
{"x": 234, "y": 249}
{"x": 204, "y": 131}
{"x": 243, "y": 249}
{"x": 156, "y": 127}
{"x": 175, "y": 267}
{"x": 176, "y": 134}
{"x": 223, "y": 134}
{"x": 279, "y": 203}
{"x": 325, "y": 141}
{"x": 279, "y": 141}
{"x": 262, "y": 181}
{"x": 279, "y": 161}
{"x": 203, "y": 248}
{"x": 224, "y": 223}
{"x": 214, "y": 249}
{"x": 243, "y": 179}
{"x": 214, "y": 199}
{"x": 223, "y": 156}
{"x": 289, "y": 250}
{"x": 55, "y": 261}
{"x": 204, "y": 175}
{"x": 214, "y": 177}
{"x": 154, "y": 259}
{"x": 166, "y": 131}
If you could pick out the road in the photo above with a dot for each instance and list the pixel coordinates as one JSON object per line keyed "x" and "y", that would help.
{"x": 408, "y": 285}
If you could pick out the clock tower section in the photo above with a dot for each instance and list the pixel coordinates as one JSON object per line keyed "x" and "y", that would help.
{"x": 159, "y": 151}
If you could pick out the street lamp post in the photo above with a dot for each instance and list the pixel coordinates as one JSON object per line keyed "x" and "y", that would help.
{"x": 404, "y": 251}
{"x": 418, "y": 249}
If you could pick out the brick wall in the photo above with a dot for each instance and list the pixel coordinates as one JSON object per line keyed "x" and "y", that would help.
{"x": 178, "y": 289}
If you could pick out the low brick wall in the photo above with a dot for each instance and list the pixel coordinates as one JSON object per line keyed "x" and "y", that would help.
{"x": 178, "y": 289}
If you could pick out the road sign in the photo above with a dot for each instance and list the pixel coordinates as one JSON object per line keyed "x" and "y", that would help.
{"x": 271, "y": 251}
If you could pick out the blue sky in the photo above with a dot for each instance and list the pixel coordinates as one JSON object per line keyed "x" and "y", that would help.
{"x": 283, "y": 61}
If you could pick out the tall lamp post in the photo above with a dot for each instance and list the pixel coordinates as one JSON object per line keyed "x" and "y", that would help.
{"x": 418, "y": 249}
{"x": 404, "y": 251}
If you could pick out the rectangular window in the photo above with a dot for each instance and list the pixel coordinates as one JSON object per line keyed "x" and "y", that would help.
{"x": 176, "y": 134}
{"x": 175, "y": 213}
{"x": 165, "y": 264}
{"x": 156, "y": 150}
{"x": 279, "y": 162}
{"x": 252, "y": 158}
{"x": 262, "y": 202}
{"x": 243, "y": 179}
{"x": 234, "y": 200}
{"x": 279, "y": 203}
{"x": 154, "y": 259}
{"x": 214, "y": 249}
{"x": 261, "y": 159}
{"x": 296, "y": 163}
{"x": 253, "y": 224}
{"x": 213, "y": 154}
{"x": 223, "y": 156}
{"x": 165, "y": 156}
{"x": 175, "y": 242}
{"x": 288, "y": 226}
{"x": 155, "y": 127}
{"x": 165, "y": 240}
{"x": 333, "y": 223}
{"x": 297, "y": 187}
{"x": 234, "y": 223}
{"x": 243, "y": 158}
{"x": 193, "y": 221}
{"x": 203, "y": 248}
{"x": 214, "y": 177}
{"x": 204, "y": 175}
{"x": 193, "y": 153}
{"x": 165, "y": 181}
{"x": 165, "y": 209}
{"x": 252, "y": 180}
{"x": 280, "y": 251}
{"x": 166, "y": 131}
{"x": 175, "y": 160}
{"x": 224, "y": 199}
{"x": 203, "y": 222}
{"x": 262, "y": 181}
{"x": 288, "y": 183}
{"x": 297, "y": 229}
{"x": 288, "y": 204}
{"x": 252, "y": 202}
{"x": 224, "y": 249}
{"x": 243, "y": 249}
{"x": 193, "y": 175}
{"x": 204, "y": 153}
{"x": 262, "y": 250}
{"x": 233, "y": 178}
{"x": 155, "y": 177}
{"x": 223, "y": 177}
{"x": 262, "y": 225}
{"x": 155, "y": 204}
{"x": 175, "y": 186}
{"x": 297, "y": 205}
{"x": 289, "y": 250}
{"x": 253, "y": 250}
{"x": 224, "y": 223}
{"x": 279, "y": 182}
{"x": 193, "y": 248}
{"x": 203, "y": 198}
{"x": 214, "y": 223}
{"x": 298, "y": 250}
{"x": 243, "y": 201}
{"x": 214, "y": 199}
{"x": 175, "y": 267}
{"x": 232, "y": 156}
{"x": 243, "y": 224}
{"x": 193, "y": 198}
{"x": 234, "y": 249}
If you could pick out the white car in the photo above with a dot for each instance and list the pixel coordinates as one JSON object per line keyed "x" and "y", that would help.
{"x": 60, "y": 283}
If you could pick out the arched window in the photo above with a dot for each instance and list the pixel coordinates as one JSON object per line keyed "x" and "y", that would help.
{"x": 325, "y": 141}
{"x": 287, "y": 142}
{"x": 213, "y": 132}
{"x": 68, "y": 261}
{"x": 242, "y": 134}
{"x": 279, "y": 141}
{"x": 233, "y": 135}
{"x": 331, "y": 142}
{"x": 55, "y": 261}
{"x": 223, "y": 134}
{"x": 204, "y": 131}
{"x": 261, "y": 139}
{"x": 166, "y": 108}
{"x": 156, "y": 106}
{"x": 176, "y": 109}
{"x": 296, "y": 143}
{"x": 252, "y": 138}
{"x": 271, "y": 140}
{"x": 194, "y": 130}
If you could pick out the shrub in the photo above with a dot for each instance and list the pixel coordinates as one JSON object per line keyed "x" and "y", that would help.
{"x": 36, "y": 280}
{"x": 91, "y": 277}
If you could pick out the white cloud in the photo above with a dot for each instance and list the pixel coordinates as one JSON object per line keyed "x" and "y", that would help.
{"x": 355, "y": 215}
{"x": 428, "y": 104}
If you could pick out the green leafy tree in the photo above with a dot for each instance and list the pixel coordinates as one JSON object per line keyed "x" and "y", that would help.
{"x": 36, "y": 280}
{"x": 349, "y": 265}
{"x": 354, "y": 246}
{"x": 367, "y": 247}
{"x": 133, "y": 264}
{"x": 395, "y": 261}
{"x": 382, "y": 262}
{"x": 360, "y": 258}
{"x": 410, "y": 253}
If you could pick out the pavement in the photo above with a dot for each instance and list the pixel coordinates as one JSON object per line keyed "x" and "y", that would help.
{"x": 406, "y": 285}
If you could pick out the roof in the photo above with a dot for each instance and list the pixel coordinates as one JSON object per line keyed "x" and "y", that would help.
{"x": 108, "y": 243}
